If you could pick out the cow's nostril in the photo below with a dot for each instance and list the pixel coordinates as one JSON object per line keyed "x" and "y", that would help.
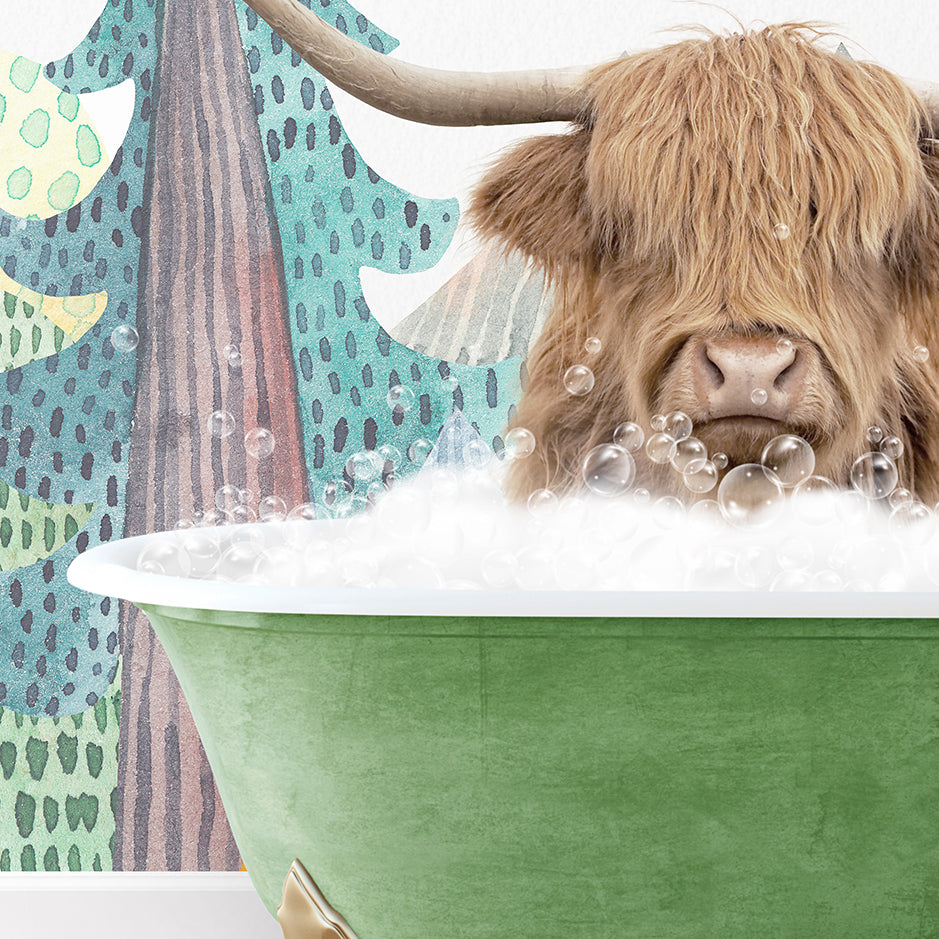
{"x": 715, "y": 377}
{"x": 787, "y": 374}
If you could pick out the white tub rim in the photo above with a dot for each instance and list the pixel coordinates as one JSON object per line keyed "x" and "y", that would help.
{"x": 110, "y": 570}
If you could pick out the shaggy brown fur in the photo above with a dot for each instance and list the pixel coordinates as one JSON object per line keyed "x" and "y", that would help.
{"x": 654, "y": 220}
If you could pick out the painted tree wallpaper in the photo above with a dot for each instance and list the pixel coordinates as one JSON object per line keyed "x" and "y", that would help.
{"x": 180, "y": 316}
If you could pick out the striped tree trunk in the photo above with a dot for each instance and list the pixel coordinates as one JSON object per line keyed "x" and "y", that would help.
{"x": 210, "y": 275}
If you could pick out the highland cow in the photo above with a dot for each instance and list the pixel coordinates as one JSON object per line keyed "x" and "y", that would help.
{"x": 712, "y": 197}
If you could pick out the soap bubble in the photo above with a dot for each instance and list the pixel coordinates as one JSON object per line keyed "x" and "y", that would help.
{"x": 720, "y": 460}
{"x": 911, "y": 522}
{"x": 703, "y": 479}
{"x": 124, "y": 338}
{"x": 259, "y": 442}
{"x": 242, "y": 514}
{"x": 498, "y": 569}
{"x": 227, "y": 495}
{"x": 214, "y": 517}
{"x": 814, "y": 501}
{"x": 920, "y": 353}
{"x": 419, "y": 450}
{"x": 629, "y": 435}
{"x": 593, "y": 345}
{"x": 390, "y": 455}
{"x": 705, "y": 510}
{"x": 791, "y": 580}
{"x": 755, "y": 566}
{"x": 660, "y": 448}
{"x": 272, "y": 508}
{"x": 365, "y": 465}
{"x": 579, "y": 380}
{"x": 781, "y": 231}
{"x": 280, "y": 565}
{"x": 400, "y": 397}
{"x": 874, "y": 475}
{"x": 476, "y": 453}
{"x": 233, "y": 356}
{"x": 874, "y": 434}
{"x": 642, "y": 496}
{"x": 678, "y": 425}
{"x": 164, "y": 557}
{"x": 658, "y": 422}
{"x": 668, "y": 512}
{"x": 899, "y": 497}
{"x": 519, "y": 443}
{"x": 759, "y": 396}
{"x": 689, "y": 456}
{"x": 826, "y": 580}
{"x": 221, "y": 424}
{"x": 203, "y": 550}
{"x": 305, "y": 511}
{"x": 790, "y": 458}
{"x": 893, "y": 447}
{"x": 608, "y": 470}
{"x": 542, "y": 502}
{"x": 784, "y": 346}
{"x": 236, "y": 563}
{"x": 794, "y": 553}
{"x": 749, "y": 496}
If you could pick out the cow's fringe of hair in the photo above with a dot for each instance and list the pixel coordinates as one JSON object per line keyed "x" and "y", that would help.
{"x": 656, "y": 220}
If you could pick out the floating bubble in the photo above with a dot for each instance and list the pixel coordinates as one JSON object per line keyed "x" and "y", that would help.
{"x": 419, "y": 450}
{"x": 593, "y": 345}
{"x": 498, "y": 568}
{"x": 476, "y": 453}
{"x": 720, "y": 460}
{"x": 658, "y": 422}
{"x": 874, "y": 475}
{"x": 791, "y": 459}
{"x": 124, "y": 338}
{"x": 892, "y": 446}
{"x": 705, "y": 510}
{"x": 749, "y": 496}
{"x": 579, "y": 380}
{"x": 899, "y": 497}
{"x": 272, "y": 508}
{"x": 629, "y": 435}
{"x": 400, "y": 397}
{"x": 827, "y": 581}
{"x": 165, "y": 558}
{"x": 184, "y": 523}
{"x": 703, "y": 479}
{"x": 519, "y": 443}
{"x": 791, "y": 581}
{"x": 678, "y": 425}
{"x": 814, "y": 501}
{"x": 690, "y": 455}
{"x": 920, "y": 353}
{"x": 642, "y": 496}
{"x": 784, "y": 346}
{"x": 233, "y": 356}
{"x": 874, "y": 434}
{"x": 215, "y": 517}
{"x": 227, "y": 495}
{"x": 781, "y": 231}
{"x": 259, "y": 442}
{"x": 660, "y": 448}
{"x": 365, "y": 465}
{"x": 759, "y": 396}
{"x": 608, "y": 470}
{"x": 242, "y": 514}
{"x": 220, "y": 424}
{"x": 390, "y": 455}
{"x": 542, "y": 502}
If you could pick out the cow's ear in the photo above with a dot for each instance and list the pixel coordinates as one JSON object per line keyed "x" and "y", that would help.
{"x": 534, "y": 199}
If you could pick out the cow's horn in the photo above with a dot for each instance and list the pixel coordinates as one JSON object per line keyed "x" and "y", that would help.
{"x": 427, "y": 95}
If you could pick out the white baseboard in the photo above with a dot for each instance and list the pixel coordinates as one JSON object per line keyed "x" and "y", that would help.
{"x": 158, "y": 905}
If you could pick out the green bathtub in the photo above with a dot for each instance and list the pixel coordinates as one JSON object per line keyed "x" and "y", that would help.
{"x": 567, "y": 764}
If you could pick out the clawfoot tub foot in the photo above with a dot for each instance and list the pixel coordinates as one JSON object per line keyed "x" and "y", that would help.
{"x": 304, "y": 912}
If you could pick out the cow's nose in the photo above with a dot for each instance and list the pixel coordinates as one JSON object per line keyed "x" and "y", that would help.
{"x": 740, "y": 375}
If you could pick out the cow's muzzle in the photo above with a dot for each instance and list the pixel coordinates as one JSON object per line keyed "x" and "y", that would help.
{"x": 742, "y": 376}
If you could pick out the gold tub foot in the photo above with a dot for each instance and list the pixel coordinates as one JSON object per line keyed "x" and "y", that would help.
{"x": 304, "y": 912}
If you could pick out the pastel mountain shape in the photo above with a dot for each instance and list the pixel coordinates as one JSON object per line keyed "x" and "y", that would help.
{"x": 51, "y": 156}
{"x": 34, "y": 325}
{"x": 31, "y": 530}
